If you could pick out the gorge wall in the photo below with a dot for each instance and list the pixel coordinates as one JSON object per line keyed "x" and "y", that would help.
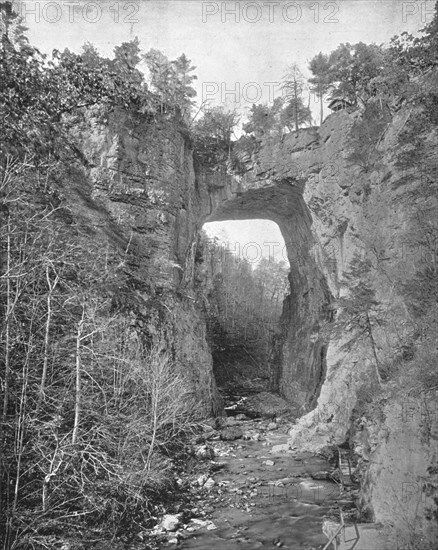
{"x": 143, "y": 192}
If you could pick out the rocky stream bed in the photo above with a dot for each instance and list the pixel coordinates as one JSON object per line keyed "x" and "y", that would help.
{"x": 252, "y": 491}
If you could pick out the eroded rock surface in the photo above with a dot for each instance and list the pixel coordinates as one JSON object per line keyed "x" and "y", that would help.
{"x": 143, "y": 192}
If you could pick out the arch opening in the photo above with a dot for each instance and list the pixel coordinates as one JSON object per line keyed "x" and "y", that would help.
{"x": 294, "y": 361}
{"x": 246, "y": 272}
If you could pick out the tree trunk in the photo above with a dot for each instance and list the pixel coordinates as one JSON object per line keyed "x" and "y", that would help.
{"x": 373, "y": 347}
{"x": 321, "y": 109}
{"x": 296, "y": 105}
{"x": 46, "y": 336}
{"x": 7, "y": 323}
{"x": 78, "y": 379}
{"x": 20, "y": 432}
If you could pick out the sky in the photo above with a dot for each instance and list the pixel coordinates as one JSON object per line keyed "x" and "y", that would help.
{"x": 250, "y": 239}
{"x": 241, "y": 49}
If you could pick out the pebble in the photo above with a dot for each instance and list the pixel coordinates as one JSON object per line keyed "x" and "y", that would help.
{"x": 201, "y": 480}
{"x": 201, "y": 524}
{"x": 204, "y": 451}
{"x": 210, "y": 483}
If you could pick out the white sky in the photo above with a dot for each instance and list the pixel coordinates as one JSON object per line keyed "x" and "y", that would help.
{"x": 250, "y": 239}
{"x": 239, "y": 46}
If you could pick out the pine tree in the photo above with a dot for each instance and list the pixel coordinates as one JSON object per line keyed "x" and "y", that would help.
{"x": 293, "y": 89}
{"x": 322, "y": 78}
{"x": 359, "y": 311}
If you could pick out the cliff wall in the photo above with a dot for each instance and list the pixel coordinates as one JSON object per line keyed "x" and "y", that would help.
{"x": 341, "y": 205}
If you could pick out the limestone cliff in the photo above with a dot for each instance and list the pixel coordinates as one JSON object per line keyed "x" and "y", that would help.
{"x": 143, "y": 191}
{"x": 347, "y": 204}
{"x": 138, "y": 193}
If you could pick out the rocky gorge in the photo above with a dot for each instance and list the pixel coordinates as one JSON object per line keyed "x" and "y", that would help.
{"x": 116, "y": 415}
{"x": 144, "y": 190}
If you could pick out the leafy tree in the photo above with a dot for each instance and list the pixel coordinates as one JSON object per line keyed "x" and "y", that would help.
{"x": 261, "y": 121}
{"x": 416, "y": 59}
{"x": 353, "y": 67}
{"x": 271, "y": 120}
{"x": 213, "y": 134}
{"x": 172, "y": 80}
{"x": 322, "y": 78}
{"x": 160, "y": 73}
{"x": 415, "y": 54}
{"x": 126, "y": 59}
{"x": 12, "y": 30}
{"x": 38, "y": 95}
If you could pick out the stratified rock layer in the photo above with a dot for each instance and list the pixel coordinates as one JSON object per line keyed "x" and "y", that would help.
{"x": 143, "y": 193}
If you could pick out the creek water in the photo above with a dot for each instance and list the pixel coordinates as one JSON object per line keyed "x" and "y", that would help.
{"x": 264, "y": 499}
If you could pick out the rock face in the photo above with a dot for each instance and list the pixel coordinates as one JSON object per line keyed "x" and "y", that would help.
{"x": 337, "y": 206}
{"x": 139, "y": 195}
{"x": 144, "y": 193}
{"x": 399, "y": 460}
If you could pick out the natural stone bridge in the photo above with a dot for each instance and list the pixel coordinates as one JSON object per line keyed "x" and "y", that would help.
{"x": 149, "y": 192}
{"x": 279, "y": 184}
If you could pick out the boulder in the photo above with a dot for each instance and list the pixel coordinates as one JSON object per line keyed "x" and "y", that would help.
{"x": 231, "y": 433}
{"x": 266, "y": 404}
{"x": 280, "y": 448}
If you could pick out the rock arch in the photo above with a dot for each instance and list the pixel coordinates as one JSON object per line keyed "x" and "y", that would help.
{"x": 298, "y": 364}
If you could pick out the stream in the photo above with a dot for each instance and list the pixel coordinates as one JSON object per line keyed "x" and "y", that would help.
{"x": 256, "y": 493}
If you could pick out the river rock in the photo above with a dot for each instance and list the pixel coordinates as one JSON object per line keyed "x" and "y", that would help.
{"x": 204, "y": 451}
{"x": 266, "y": 404}
{"x": 280, "y": 448}
{"x": 231, "y": 433}
{"x": 252, "y": 435}
{"x": 209, "y": 483}
{"x": 320, "y": 475}
{"x": 171, "y": 522}
{"x": 201, "y": 480}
